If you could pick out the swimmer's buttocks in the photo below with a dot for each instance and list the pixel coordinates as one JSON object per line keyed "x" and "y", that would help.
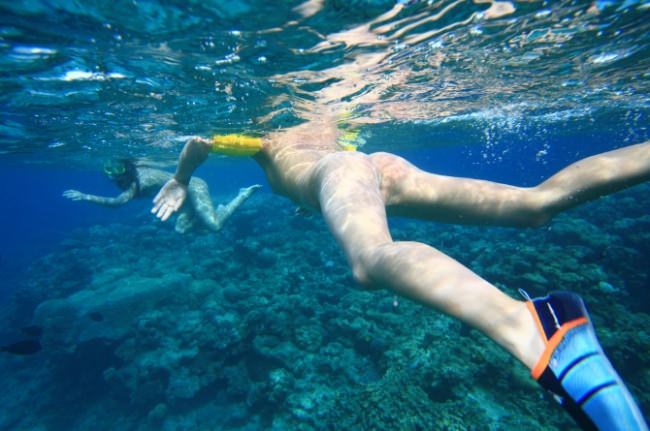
{"x": 236, "y": 145}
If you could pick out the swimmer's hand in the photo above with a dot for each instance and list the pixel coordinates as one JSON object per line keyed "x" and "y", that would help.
{"x": 169, "y": 199}
{"x": 75, "y": 195}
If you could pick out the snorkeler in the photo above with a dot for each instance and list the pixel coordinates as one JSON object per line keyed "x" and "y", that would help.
{"x": 315, "y": 165}
{"x": 355, "y": 192}
{"x": 139, "y": 180}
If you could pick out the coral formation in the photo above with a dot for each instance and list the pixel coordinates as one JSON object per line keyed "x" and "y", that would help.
{"x": 262, "y": 327}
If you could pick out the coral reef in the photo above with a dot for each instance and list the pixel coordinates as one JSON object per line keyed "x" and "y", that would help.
{"x": 262, "y": 327}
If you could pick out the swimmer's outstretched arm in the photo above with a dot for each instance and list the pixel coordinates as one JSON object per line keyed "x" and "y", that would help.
{"x": 172, "y": 195}
{"x": 194, "y": 153}
{"x": 121, "y": 199}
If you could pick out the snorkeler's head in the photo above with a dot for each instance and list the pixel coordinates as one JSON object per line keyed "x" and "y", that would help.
{"x": 114, "y": 168}
{"x": 121, "y": 171}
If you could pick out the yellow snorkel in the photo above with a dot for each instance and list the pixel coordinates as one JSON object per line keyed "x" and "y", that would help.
{"x": 236, "y": 145}
{"x": 349, "y": 139}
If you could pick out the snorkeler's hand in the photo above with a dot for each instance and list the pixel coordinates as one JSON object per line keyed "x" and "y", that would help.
{"x": 74, "y": 195}
{"x": 169, "y": 199}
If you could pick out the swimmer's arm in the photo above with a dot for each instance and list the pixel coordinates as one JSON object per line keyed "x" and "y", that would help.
{"x": 172, "y": 195}
{"x": 194, "y": 153}
{"x": 121, "y": 199}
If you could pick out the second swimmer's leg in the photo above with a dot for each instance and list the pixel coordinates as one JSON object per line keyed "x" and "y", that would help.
{"x": 225, "y": 211}
{"x": 202, "y": 202}
{"x": 185, "y": 221}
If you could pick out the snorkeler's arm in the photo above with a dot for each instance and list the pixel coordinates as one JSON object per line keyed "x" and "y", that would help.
{"x": 172, "y": 195}
{"x": 121, "y": 199}
{"x": 192, "y": 156}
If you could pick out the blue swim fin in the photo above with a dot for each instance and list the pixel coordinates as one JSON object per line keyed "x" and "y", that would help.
{"x": 575, "y": 369}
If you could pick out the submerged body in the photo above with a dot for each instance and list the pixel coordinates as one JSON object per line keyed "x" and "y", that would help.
{"x": 83, "y": 80}
{"x": 356, "y": 191}
{"x": 139, "y": 181}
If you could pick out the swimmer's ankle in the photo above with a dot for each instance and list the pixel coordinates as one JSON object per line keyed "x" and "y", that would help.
{"x": 529, "y": 345}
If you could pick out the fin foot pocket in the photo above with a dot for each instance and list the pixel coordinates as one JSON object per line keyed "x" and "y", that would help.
{"x": 576, "y": 370}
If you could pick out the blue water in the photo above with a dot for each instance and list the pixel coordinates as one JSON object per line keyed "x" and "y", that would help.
{"x": 262, "y": 326}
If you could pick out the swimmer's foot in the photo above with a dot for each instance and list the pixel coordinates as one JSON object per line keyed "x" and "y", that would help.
{"x": 575, "y": 369}
{"x": 247, "y": 191}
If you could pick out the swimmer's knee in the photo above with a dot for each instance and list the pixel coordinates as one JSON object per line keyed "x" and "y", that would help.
{"x": 540, "y": 208}
{"x": 362, "y": 265}
{"x": 361, "y": 276}
{"x": 198, "y": 184}
{"x": 359, "y": 273}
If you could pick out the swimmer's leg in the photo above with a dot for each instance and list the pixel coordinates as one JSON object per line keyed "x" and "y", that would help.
{"x": 539, "y": 332}
{"x": 596, "y": 176}
{"x": 347, "y": 187}
{"x": 412, "y": 192}
{"x": 185, "y": 221}
{"x": 199, "y": 195}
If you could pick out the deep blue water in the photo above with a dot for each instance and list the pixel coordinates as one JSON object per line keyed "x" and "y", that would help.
{"x": 262, "y": 326}
{"x": 36, "y": 217}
